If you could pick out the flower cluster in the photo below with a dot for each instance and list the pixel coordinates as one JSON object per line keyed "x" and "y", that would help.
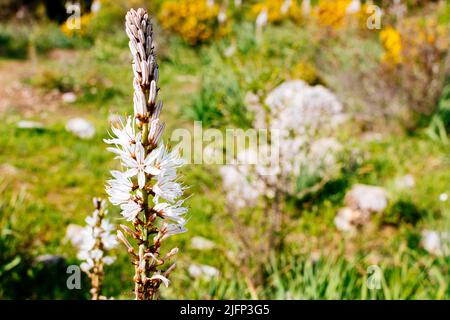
{"x": 195, "y": 21}
{"x": 415, "y": 55}
{"x": 392, "y": 44}
{"x": 414, "y": 41}
{"x": 304, "y": 117}
{"x": 278, "y": 10}
{"x": 96, "y": 239}
{"x": 332, "y": 13}
{"x": 147, "y": 190}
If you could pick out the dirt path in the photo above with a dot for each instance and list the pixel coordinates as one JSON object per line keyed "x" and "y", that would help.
{"x": 16, "y": 96}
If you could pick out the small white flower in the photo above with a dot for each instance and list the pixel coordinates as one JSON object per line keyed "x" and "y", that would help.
{"x": 92, "y": 220}
{"x": 96, "y": 254}
{"x": 107, "y": 236}
{"x": 108, "y": 260}
{"x": 125, "y": 135}
{"x": 88, "y": 239}
{"x": 86, "y": 266}
{"x": 173, "y": 229}
{"x": 174, "y": 212}
{"x": 119, "y": 189}
{"x": 96, "y": 237}
{"x": 167, "y": 161}
{"x": 130, "y": 210}
{"x": 167, "y": 189}
{"x": 141, "y": 164}
{"x": 443, "y": 197}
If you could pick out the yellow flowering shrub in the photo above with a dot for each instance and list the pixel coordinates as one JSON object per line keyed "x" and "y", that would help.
{"x": 332, "y": 13}
{"x": 275, "y": 10}
{"x": 194, "y": 20}
{"x": 423, "y": 37}
{"x": 414, "y": 41}
{"x": 414, "y": 56}
{"x": 392, "y": 44}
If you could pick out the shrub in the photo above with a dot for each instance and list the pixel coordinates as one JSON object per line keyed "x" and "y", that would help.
{"x": 13, "y": 43}
{"x": 414, "y": 61}
{"x": 220, "y": 101}
{"x": 195, "y": 21}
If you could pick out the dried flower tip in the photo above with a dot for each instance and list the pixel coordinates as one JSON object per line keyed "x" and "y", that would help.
{"x": 171, "y": 253}
{"x": 129, "y": 231}
{"x": 155, "y": 259}
{"x": 124, "y": 240}
{"x": 161, "y": 278}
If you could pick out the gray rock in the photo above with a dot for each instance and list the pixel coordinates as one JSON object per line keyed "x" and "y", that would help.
{"x": 50, "y": 260}
{"x": 27, "y": 124}
{"x": 367, "y": 198}
{"x": 69, "y": 97}
{"x": 200, "y": 243}
{"x": 81, "y": 128}
{"x": 203, "y": 271}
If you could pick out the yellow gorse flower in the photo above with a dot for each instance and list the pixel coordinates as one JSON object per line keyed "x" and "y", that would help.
{"x": 332, "y": 13}
{"x": 194, "y": 20}
{"x": 392, "y": 44}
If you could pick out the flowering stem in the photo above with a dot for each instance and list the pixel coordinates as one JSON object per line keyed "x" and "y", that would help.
{"x": 150, "y": 174}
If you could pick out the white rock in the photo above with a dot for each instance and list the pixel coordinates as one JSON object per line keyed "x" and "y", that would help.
{"x": 74, "y": 235}
{"x": 203, "y": 271}
{"x": 26, "y": 124}
{"x": 81, "y": 128}
{"x": 406, "y": 182}
{"x": 367, "y": 198}
{"x": 343, "y": 220}
{"x": 436, "y": 243}
{"x": 69, "y": 97}
{"x": 200, "y": 243}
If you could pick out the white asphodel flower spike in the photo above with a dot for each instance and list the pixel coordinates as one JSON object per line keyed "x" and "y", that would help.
{"x": 149, "y": 172}
{"x": 97, "y": 239}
